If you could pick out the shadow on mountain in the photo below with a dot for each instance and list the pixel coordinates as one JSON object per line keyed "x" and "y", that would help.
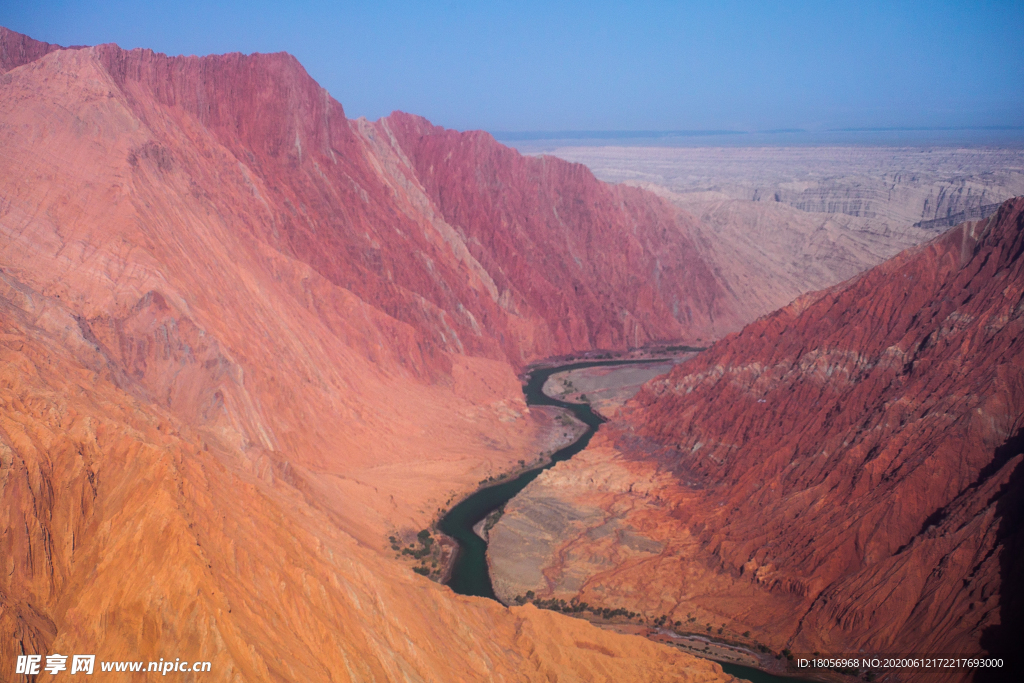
{"x": 1004, "y": 640}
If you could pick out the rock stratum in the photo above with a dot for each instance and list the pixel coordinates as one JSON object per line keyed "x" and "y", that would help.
{"x": 889, "y": 188}
{"x": 777, "y": 222}
{"x": 244, "y": 338}
{"x": 842, "y": 476}
{"x": 770, "y": 253}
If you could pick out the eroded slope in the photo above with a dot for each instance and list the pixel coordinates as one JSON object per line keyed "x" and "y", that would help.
{"x": 239, "y": 350}
{"x": 841, "y": 475}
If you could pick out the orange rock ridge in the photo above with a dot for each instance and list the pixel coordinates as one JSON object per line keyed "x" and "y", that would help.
{"x": 243, "y": 341}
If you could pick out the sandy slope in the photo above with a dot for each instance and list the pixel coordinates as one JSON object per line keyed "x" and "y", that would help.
{"x": 218, "y": 398}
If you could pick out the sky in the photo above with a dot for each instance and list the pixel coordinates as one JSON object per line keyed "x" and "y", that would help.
{"x": 603, "y": 66}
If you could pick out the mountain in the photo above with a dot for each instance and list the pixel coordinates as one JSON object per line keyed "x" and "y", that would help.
{"x": 771, "y": 253}
{"x": 600, "y": 265}
{"x": 246, "y": 339}
{"x": 841, "y": 476}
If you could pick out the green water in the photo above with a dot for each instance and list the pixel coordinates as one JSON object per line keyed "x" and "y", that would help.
{"x": 756, "y": 675}
{"x": 469, "y": 573}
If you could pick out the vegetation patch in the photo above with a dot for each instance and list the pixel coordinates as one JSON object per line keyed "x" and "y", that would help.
{"x": 493, "y": 518}
{"x": 574, "y": 606}
{"x": 424, "y": 551}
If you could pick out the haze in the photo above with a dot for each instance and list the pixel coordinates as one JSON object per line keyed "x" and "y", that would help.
{"x": 290, "y": 394}
{"x": 605, "y": 66}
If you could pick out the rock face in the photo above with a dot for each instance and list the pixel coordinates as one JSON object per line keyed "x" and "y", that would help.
{"x": 842, "y": 475}
{"x": 778, "y": 222}
{"x": 17, "y": 49}
{"x": 771, "y": 253}
{"x": 557, "y": 243}
{"x": 480, "y": 250}
{"x": 241, "y": 343}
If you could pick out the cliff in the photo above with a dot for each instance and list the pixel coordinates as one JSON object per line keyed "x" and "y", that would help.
{"x": 240, "y": 348}
{"x": 17, "y": 49}
{"x": 599, "y": 266}
{"x": 841, "y": 476}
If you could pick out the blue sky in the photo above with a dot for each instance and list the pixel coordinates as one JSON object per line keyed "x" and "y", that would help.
{"x": 547, "y": 66}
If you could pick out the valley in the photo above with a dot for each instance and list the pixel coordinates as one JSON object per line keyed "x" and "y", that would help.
{"x": 470, "y": 574}
{"x": 692, "y": 512}
{"x": 245, "y": 345}
{"x": 256, "y": 353}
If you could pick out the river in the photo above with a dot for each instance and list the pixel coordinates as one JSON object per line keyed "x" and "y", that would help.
{"x": 469, "y": 574}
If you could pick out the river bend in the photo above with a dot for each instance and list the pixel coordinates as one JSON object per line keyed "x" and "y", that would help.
{"x": 469, "y": 575}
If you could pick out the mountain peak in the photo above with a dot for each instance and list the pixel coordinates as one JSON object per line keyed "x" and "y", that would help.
{"x": 17, "y": 49}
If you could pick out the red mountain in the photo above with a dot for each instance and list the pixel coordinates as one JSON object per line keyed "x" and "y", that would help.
{"x": 842, "y": 476}
{"x": 243, "y": 344}
{"x": 480, "y": 249}
{"x": 870, "y": 456}
{"x": 617, "y": 266}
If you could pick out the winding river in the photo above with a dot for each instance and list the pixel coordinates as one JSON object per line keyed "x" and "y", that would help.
{"x": 469, "y": 575}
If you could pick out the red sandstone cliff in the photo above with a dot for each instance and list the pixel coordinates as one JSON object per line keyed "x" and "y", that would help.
{"x": 866, "y": 461}
{"x": 480, "y": 250}
{"x": 17, "y": 49}
{"x": 240, "y": 346}
{"x": 843, "y": 475}
{"x": 599, "y": 265}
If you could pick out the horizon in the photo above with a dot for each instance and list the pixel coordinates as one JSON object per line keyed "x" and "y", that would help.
{"x": 680, "y": 70}
{"x": 292, "y": 395}
{"x": 1011, "y": 137}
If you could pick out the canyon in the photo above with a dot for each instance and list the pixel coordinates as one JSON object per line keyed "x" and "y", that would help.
{"x": 244, "y": 343}
{"x": 781, "y": 221}
{"x": 841, "y": 476}
{"x": 248, "y": 341}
